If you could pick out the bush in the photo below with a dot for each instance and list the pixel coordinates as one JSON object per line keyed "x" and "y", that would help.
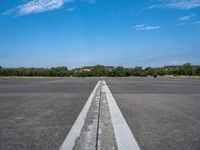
{"x": 99, "y": 71}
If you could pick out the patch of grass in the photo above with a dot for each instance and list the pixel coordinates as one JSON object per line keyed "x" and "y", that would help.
{"x": 181, "y": 77}
{"x": 27, "y": 77}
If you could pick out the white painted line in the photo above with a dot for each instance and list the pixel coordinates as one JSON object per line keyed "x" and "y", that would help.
{"x": 124, "y": 137}
{"x": 75, "y": 131}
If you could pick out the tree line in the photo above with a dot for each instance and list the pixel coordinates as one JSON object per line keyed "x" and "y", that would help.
{"x": 99, "y": 71}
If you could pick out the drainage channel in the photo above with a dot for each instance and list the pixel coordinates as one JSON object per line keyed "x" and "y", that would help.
{"x": 99, "y": 113}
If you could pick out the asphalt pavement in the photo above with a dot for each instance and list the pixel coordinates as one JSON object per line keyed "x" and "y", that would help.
{"x": 37, "y": 114}
{"x": 163, "y": 114}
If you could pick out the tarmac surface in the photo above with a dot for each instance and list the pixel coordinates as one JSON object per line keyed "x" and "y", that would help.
{"x": 37, "y": 114}
{"x": 163, "y": 114}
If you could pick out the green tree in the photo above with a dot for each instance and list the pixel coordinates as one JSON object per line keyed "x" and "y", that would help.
{"x": 127, "y": 72}
{"x": 59, "y": 71}
{"x": 1, "y": 68}
{"x": 99, "y": 71}
{"x": 198, "y": 70}
{"x": 137, "y": 71}
{"x": 119, "y": 71}
{"x": 187, "y": 69}
{"x": 152, "y": 72}
{"x": 162, "y": 71}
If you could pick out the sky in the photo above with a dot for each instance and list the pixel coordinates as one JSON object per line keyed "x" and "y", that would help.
{"x": 74, "y": 33}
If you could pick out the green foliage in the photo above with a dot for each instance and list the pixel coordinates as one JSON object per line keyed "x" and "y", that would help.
{"x": 99, "y": 71}
{"x": 187, "y": 69}
{"x": 59, "y": 72}
{"x": 152, "y": 72}
{"x": 119, "y": 72}
{"x": 198, "y": 70}
{"x": 137, "y": 71}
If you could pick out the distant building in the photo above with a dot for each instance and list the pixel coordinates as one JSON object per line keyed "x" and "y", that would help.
{"x": 171, "y": 67}
{"x": 89, "y": 68}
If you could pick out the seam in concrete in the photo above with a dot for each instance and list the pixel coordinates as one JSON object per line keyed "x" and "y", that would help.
{"x": 124, "y": 137}
{"x": 106, "y": 140}
{"x": 88, "y": 135}
{"x": 99, "y": 113}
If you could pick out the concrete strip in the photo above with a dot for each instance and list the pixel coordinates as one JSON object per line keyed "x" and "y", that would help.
{"x": 106, "y": 140}
{"x": 89, "y": 132}
{"x": 75, "y": 131}
{"x": 124, "y": 137}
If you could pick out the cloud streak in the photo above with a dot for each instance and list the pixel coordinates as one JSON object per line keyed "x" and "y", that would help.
{"x": 71, "y": 9}
{"x": 38, "y": 6}
{"x": 144, "y": 27}
{"x": 177, "y": 4}
{"x": 185, "y": 18}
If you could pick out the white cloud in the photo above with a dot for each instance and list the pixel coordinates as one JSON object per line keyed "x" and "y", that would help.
{"x": 178, "y": 4}
{"x": 185, "y": 18}
{"x": 36, "y": 6}
{"x": 144, "y": 27}
{"x": 9, "y": 11}
{"x": 71, "y": 9}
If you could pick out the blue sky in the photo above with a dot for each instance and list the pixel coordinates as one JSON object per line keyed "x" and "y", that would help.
{"x": 73, "y": 33}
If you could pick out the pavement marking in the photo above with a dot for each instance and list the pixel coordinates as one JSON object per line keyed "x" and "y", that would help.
{"x": 124, "y": 137}
{"x": 88, "y": 136}
{"x": 106, "y": 138}
{"x": 75, "y": 131}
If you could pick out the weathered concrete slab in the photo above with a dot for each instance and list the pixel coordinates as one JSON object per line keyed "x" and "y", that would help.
{"x": 88, "y": 136}
{"x": 106, "y": 139}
